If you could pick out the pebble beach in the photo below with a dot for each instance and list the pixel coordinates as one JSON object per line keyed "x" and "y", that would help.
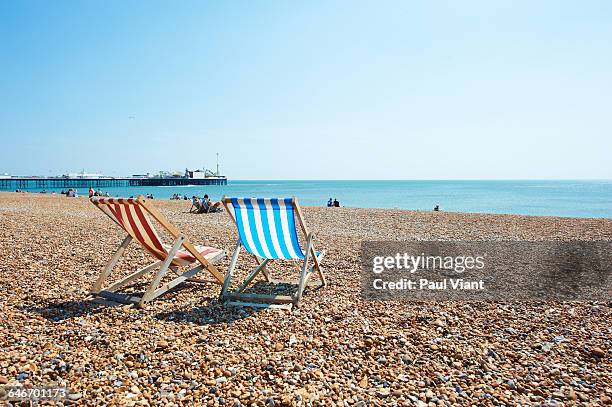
{"x": 335, "y": 349}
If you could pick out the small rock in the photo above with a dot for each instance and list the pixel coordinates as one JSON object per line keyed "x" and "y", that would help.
{"x": 439, "y": 322}
{"x": 383, "y": 392}
{"x": 3, "y": 380}
{"x": 75, "y": 396}
{"x": 547, "y": 346}
{"x": 279, "y": 346}
{"x": 598, "y": 352}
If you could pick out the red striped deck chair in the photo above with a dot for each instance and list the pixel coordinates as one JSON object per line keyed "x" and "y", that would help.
{"x": 134, "y": 215}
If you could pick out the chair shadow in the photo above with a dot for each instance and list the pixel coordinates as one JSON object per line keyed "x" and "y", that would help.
{"x": 214, "y": 312}
{"x": 211, "y": 313}
{"x": 65, "y": 310}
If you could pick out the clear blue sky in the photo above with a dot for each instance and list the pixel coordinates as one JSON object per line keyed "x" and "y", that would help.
{"x": 308, "y": 90}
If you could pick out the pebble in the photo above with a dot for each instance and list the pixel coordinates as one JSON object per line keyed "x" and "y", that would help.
{"x": 336, "y": 349}
{"x": 75, "y": 396}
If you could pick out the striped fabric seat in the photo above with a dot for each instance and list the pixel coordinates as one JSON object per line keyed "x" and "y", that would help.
{"x": 267, "y": 227}
{"x": 183, "y": 257}
{"x": 128, "y": 214}
{"x": 136, "y": 216}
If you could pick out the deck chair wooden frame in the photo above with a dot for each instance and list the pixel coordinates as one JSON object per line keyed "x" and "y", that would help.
{"x": 169, "y": 257}
{"x": 238, "y": 297}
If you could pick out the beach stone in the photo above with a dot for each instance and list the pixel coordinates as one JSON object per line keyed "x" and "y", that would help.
{"x": 598, "y": 352}
{"x": 439, "y": 323}
{"x": 547, "y": 346}
{"x": 75, "y": 396}
{"x": 3, "y": 380}
{"x": 337, "y": 348}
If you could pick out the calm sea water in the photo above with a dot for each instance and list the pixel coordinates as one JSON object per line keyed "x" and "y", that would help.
{"x": 555, "y": 198}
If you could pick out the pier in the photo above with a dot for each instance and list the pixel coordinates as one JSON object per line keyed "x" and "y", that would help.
{"x": 61, "y": 182}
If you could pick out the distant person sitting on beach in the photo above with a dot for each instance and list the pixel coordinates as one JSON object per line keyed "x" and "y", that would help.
{"x": 107, "y": 194}
{"x": 437, "y": 208}
{"x": 336, "y": 203}
{"x": 195, "y": 204}
{"x": 210, "y": 207}
{"x": 330, "y": 203}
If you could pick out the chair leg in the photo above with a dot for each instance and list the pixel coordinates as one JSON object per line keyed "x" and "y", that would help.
{"x": 266, "y": 274}
{"x": 148, "y": 295}
{"x": 305, "y": 274}
{"x": 253, "y": 274}
{"x": 228, "y": 276}
{"x": 317, "y": 265}
{"x": 110, "y": 265}
{"x": 137, "y": 274}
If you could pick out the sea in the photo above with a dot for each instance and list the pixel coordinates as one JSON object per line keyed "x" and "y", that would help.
{"x": 591, "y": 199}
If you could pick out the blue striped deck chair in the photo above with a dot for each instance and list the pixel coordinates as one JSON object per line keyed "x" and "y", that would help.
{"x": 267, "y": 230}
